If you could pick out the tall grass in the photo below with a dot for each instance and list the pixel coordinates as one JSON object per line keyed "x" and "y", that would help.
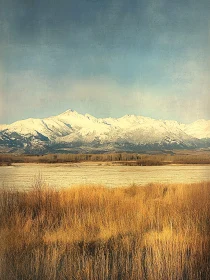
{"x": 151, "y": 232}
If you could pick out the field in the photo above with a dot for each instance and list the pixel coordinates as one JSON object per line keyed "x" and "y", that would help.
{"x": 152, "y": 232}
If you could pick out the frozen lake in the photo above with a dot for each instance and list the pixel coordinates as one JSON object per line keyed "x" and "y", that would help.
{"x": 22, "y": 176}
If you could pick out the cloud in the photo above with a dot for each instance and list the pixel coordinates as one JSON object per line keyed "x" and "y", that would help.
{"x": 107, "y": 98}
{"x": 3, "y": 111}
{"x": 185, "y": 98}
{"x": 24, "y": 94}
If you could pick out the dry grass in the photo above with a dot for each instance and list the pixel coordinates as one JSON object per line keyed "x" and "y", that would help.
{"x": 153, "y": 232}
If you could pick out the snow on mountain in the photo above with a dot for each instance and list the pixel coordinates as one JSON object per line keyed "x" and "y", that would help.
{"x": 72, "y": 127}
{"x": 130, "y": 128}
{"x": 2, "y": 127}
{"x": 198, "y": 129}
{"x": 143, "y": 130}
{"x": 49, "y": 127}
{"x": 86, "y": 124}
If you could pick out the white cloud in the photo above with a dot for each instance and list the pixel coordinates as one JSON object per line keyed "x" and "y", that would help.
{"x": 31, "y": 95}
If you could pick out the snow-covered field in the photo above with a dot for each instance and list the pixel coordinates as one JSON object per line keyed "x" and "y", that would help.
{"x": 22, "y": 176}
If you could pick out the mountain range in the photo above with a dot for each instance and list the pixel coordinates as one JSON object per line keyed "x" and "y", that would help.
{"x": 74, "y": 132}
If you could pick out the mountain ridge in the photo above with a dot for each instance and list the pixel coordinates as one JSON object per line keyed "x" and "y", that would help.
{"x": 75, "y": 132}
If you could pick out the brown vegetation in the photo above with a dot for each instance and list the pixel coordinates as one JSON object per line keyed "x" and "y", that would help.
{"x": 153, "y": 232}
{"x": 180, "y": 157}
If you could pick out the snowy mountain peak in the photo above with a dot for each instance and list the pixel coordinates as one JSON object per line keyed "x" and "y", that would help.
{"x": 90, "y": 117}
{"x": 198, "y": 129}
{"x": 69, "y": 112}
{"x": 71, "y": 129}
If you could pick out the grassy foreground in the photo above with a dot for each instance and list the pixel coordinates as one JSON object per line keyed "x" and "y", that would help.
{"x": 153, "y": 232}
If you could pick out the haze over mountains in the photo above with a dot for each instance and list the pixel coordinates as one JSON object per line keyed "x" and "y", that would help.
{"x": 74, "y": 132}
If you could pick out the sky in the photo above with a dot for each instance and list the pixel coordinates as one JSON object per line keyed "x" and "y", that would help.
{"x": 107, "y": 58}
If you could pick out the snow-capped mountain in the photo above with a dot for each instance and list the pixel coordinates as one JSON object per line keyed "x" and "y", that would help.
{"x": 199, "y": 129}
{"x": 74, "y": 132}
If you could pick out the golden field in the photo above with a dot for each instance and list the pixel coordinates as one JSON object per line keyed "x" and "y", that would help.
{"x": 153, "y": 232}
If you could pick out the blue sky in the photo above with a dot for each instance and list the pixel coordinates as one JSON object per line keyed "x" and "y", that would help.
{"x": 105, "y": 57}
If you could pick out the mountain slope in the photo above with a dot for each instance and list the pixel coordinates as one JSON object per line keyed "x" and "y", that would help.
{"x": 199, "y": 129}
{"x": 71, "y": 131}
